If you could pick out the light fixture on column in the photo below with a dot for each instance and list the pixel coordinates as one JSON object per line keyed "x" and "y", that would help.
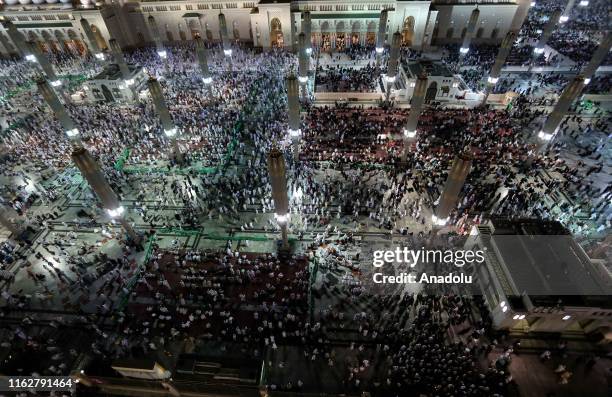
{"x": 566, "y": 317}
{"x": 563, "y": 18}
{"x": 115, "y": 212}
{"x": 170, "y": 133}
{"x": 438, "y": 221}
{"x": 281, "y": 219}
{"x": 162, "y": 54}
{"x": 538, "y": 50}
{"x": 412, "y": 84}
{"x": 308, "y": 51}
{"x": 587, "y": 81}
{"x": 294, "y": 133}
{"x": 228, "y": 52}
{"x": 390, "y": 79}
{"x": 30, "y": 58}
{"x": 379, "y": 50}
{"x": 409, "y": 134}
{"x": 303, "y": 79}
{"x": 207, "y": 80}
{"x": 464, "y": 50}
{"x": 583, "y": 3}
{"x": 533, "y": 4}
{"x": 492, "y": 80}
{"x": 56, "y": 83}
{"x": 99, "y": 55}
{"x": 545, "y": 136}
{"x": 72, "y": 133}
{"x": 129, "y": 82}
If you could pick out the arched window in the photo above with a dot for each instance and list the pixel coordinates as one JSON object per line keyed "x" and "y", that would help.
{"x": 275, "y": 24}
{"x": 236, "y": 30}
{"x": 408, "y": 31}
{"x": 99, "y": 38}
{"x": 479, "y": 33}
{"x": 276, "y": 33}
{"x": 449, "y": 33}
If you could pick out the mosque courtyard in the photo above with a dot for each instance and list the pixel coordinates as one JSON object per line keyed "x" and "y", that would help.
{"x": 219, "y": 224}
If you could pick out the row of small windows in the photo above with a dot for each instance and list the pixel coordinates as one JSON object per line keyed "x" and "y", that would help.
{"x": 342, "y": 7}
{"x": 189, "y": 7}
{"x": 37, "y": 17}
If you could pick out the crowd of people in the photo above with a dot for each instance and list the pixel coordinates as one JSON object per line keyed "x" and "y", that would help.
{"x": 338, "y": 78}
{"x": 348, "y": 175}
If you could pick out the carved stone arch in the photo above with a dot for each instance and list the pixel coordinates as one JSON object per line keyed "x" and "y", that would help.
{"x": 236, "y": 30}
{"x": 276, "y": 33}
{"x": 99, "y": 37}
{"x": 408, "y": 31}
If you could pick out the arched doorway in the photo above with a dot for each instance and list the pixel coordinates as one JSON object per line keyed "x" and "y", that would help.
{"x": 61, "y": 40}
{"x": 432, "y": 90}
{"x": 182, "y": 35}
{"x": 355, "y": 34}
{"x": 169, "y": 36}
{"x": 494, "y": 33}
{"x": 325, "y": 37}
{"x": 463, "y": 33}
{"x": 371, "y": 35}
{"x": 209, "y": 34}
{"x": 340, "y": 36}
{"x": 36, "y": 40}
{"x": 408, "y": 31}
{"x": 194, "y": 29}
{"x": 75, "y": 43}
{"x": 276, "y": 33}
{"x": 449, "y": 33}
{"x": 50, "y": 44}
{"x": 7, "y": 45}
{"x": 108, "y": 95}
{"x": 235, "y": 30}
{"x": 99, "y": 38}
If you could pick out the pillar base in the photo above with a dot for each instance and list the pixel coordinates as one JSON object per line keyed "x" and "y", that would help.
{"x": 284, "y": 250}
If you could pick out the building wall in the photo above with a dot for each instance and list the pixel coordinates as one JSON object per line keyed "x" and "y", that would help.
{"x": 263, "y": 19}
{"x": 126, "y": 20}
{"x": 494, "y": 20}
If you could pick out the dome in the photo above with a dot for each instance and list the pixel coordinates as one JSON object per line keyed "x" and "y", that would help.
{"x": 66, "y": 1}
{"x": 10, "y": 2}
{"x": 51, "y": 1}
{"x": 85, "y": 2}
{"x": 24, "y": 2}
{"x": 38, "y": 1}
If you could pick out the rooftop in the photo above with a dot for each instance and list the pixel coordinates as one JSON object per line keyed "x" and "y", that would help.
{"x": 543, "y": 260}
{"x": 112, "y": 72}
{"x": 430, "y": 67}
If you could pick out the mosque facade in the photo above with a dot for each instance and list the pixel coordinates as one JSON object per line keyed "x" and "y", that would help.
{"x": 55, "y": 24}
